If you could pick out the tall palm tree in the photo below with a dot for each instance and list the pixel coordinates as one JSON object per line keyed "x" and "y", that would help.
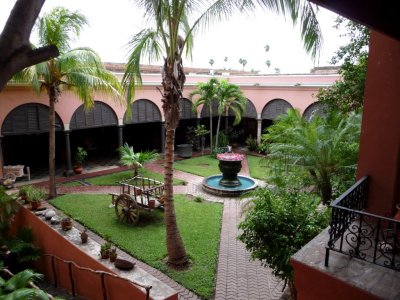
{"x": 229, "y": 97}
{"x": 78, "y": 70}
{"x": 172, "y": 34}
{"x": 207, "y": 95}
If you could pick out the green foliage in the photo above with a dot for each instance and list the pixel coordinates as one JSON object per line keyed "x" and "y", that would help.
{"x": 199, "y": 224}
{"x": 23, "y": 245}
{"x": 223, "y": 140}
{"x": 18, "y": 288}
{"x": 8, "y": 208}
{"x": 135, "y": 160}
{"x": 35, "y": 194}
{"x": 322, "y": 150}
{"x": 347, "y": 94}
{"x": 80, "y": 155}
{"x": 279, "y": 225}
{"x": 251, "y": 143}
{"x": 201, "y": 130}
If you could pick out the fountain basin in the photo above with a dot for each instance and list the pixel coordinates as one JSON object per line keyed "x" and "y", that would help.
{"x": 212, "y": 186}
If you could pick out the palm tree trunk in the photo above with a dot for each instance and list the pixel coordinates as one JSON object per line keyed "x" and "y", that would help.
{"x": 175, "y": 248}
{"x": 53, "y": 95}
{"x": 211, "y": 129}
{"x": 172, "y": 92}
{"x": 218, "y": 125}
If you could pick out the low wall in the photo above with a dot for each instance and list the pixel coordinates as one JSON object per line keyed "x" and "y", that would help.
{"x": 86, "y": 283}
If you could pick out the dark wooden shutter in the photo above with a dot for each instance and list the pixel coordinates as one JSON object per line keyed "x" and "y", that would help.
{"x": 28, "y": 119}
{"x": 275, "y": 108}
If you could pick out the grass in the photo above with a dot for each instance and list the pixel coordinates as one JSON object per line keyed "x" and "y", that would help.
{"x": 203, "y": 165}
{"x": 257, "y": 167}
{"x": 199, "y": 225}
{"x": 115, "y": 178}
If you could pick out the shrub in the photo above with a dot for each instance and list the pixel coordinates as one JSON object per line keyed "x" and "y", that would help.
{"x": 278, "y": 225}
{"x": 251, "y": 143}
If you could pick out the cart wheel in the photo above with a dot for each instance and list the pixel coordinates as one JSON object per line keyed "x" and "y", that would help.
{"x": 126, "y": 209}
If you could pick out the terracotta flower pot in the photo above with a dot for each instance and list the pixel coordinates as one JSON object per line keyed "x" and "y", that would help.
{"x": 35, "y": 204}
{"x": 78, "y": 169}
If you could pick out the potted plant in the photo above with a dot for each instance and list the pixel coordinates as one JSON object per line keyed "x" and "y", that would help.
{"x": 35, "y": 197}
{"x": 80, "y": 158}
{"x": 105, "y": 250}
{"x": 113, "y": 254}
{"x": 201, "y": 132}
{"x": 66, "y": 223}
{"x": 23, "y": 192}
{"x": 84, "y": 236}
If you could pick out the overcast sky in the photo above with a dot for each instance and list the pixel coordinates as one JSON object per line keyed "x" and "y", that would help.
{"x": 113, "y": 23}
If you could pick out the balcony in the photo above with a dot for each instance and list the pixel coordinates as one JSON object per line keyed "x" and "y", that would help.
{"x": 357, "y": 257}
{"x": 360, "y": 234}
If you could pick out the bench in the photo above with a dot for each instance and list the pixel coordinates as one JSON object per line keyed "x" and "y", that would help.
{"x": 18, "y": 171}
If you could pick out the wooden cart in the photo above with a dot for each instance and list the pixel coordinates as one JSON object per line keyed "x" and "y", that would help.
{"x": 136, "y": 194}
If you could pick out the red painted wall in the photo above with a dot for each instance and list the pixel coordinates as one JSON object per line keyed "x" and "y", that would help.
{"x": 87, "y": 284}
{"x": 380, "y": 132}
{"x": 313, "y": 284}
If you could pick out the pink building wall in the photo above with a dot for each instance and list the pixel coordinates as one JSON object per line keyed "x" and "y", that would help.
{"x": 298, "y": 90}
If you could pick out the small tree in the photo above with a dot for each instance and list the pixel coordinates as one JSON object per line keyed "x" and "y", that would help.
{"x": 279, "y": 225}
{"x": 129, "y": 158}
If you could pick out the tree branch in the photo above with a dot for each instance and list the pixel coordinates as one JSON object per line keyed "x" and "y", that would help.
{"x": 15, "y": 50}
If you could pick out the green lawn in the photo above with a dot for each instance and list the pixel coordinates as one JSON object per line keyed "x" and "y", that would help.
{"x": 199, "y": 224}
{"x": 203, "y": 165}
{"x": 257, "y": 167}
{"x": 115, "y": 178}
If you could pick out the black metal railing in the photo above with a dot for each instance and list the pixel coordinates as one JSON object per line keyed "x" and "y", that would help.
{"x": 360, "y": 234}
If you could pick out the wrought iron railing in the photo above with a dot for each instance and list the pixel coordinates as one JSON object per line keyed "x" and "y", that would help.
{"x": 360, "y": 234}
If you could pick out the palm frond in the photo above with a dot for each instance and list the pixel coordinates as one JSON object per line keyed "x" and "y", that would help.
{"x": 60, "y": 27}
{"x": 145, "y": 44}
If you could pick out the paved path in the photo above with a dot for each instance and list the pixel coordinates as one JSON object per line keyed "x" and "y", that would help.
{"x": 238, "y": 277}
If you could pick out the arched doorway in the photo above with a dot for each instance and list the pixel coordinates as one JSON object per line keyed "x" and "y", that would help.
{"x": 25, "y": 132}
{"x": 187, "y": 118}
{"x": 143, "y": 129}
{"x": 95, "y": 130}
{"x": 273, "y": 109}
{"x": 316, "y": 108}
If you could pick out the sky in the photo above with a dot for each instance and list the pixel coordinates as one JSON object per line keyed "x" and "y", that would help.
{"x": 113, "y": 23}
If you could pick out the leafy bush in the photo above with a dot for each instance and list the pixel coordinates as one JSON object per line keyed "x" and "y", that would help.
{"x": 223, "y": 140}
{"x": 8, "y": 208}
{"x": 278, "y": 225}
{"x": 251, "y": 143}
{"x": 35, "y": 194}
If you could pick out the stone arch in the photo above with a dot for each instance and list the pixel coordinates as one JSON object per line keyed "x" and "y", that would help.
{"x": 28, "y": 119}
{"x": 205, "y": 111}
{"x": 186, "y": 111}
{"x": 250, "y": 110}
{"x": 316, "y": 108}
{"x": 101, "y": 115}
{"x": 143, "y": 111}
{"x": 275, "y": 108}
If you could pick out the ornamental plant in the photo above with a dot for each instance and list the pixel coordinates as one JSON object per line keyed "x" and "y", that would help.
{"x": 230, "y": 156}
{"x": 278, "y": 225}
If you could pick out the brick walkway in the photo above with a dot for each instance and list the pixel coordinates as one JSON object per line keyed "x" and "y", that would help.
{"x": 238, "y": 277}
